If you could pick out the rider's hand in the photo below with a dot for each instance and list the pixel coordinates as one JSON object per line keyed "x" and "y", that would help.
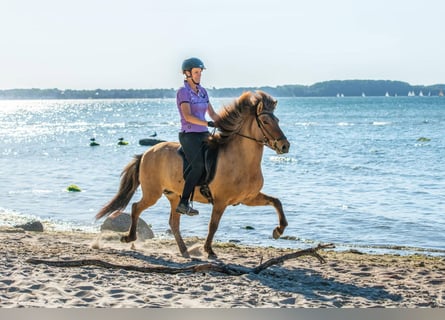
{"x": 210, "y": 124}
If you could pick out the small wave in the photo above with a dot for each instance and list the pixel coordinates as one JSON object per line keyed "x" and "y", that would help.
{"x": 345, "y": 124}
{"x": 372, "y": 248}
{"x": 376, "y": 151}
{"x": 41, "y": 191}
{"x": 307, "y": 124}
{"x": 392, "y": 249}
{"x": 421, "y": 145}
{"x": 363, "y": 168}
{"x": 381, "y": 123}
{"x": 11, "y": 218}
{"x": 138, "y": 123}
{"x": 33, "y": 191}
{"x": 281, "y": 159}
{"x": 9, "y": 152}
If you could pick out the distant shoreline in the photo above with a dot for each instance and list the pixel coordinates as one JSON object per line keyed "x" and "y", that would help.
{"x": 340, "y": 88}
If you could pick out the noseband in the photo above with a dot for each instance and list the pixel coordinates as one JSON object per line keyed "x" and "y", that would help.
{"x": 265, "y": 132}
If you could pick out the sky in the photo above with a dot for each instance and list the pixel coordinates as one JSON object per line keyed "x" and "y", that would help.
{"x": 110, "y": 44}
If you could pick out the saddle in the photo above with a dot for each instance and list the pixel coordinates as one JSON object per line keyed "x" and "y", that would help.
{"x": 210, "y": 161}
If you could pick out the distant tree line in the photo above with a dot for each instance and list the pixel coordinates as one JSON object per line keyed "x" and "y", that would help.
{"x": 320, "y": 89}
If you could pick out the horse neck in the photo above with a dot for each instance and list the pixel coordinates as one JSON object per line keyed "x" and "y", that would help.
{"x": 249, "y": 150}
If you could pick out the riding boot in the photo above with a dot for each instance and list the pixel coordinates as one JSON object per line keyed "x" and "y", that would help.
{"x": 184, "y": 208}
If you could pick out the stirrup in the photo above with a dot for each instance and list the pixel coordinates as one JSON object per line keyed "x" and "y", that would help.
{"x": 186, "y": 209}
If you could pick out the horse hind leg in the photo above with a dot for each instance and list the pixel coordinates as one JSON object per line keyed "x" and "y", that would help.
{"x": 136, "y": 210}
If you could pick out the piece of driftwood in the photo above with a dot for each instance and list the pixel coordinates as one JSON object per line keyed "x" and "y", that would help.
{"x": 234, "y": 270}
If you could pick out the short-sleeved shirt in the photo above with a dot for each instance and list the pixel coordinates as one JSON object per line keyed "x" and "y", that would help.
{"x": 199, "y": 102}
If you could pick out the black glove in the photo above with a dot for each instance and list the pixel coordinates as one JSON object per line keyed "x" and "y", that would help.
{"x": 211, "y": 124}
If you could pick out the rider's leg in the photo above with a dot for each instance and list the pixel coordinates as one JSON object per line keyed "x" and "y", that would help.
{"x": 192, "y": 144}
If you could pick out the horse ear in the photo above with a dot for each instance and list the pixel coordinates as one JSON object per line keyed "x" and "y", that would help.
{"x": 260, "y": 107}
{"x": 257, "y": 100}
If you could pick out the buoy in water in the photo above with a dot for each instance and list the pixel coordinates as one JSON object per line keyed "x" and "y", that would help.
{"x": 93, "y": 143}
{"x": 73, "y": 188}
{"x": 122, "y": 142}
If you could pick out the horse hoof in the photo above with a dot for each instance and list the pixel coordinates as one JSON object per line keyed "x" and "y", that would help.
{"x": 212, "y": 256}
{"x": 185, "y": 254}
{"x": 276, "y": 234}
{"x": 126, "y": 239}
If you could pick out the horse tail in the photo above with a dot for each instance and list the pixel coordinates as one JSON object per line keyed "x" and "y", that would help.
{"x": 128, "y": 186}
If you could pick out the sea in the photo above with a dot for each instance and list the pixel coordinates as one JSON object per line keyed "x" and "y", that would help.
{"x": 363, "y": 173}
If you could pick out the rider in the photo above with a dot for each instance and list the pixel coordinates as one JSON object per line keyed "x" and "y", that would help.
{"x": 193, "y": 103}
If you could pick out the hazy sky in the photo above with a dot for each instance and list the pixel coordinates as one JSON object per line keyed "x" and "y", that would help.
{"x": 89, "y": 44}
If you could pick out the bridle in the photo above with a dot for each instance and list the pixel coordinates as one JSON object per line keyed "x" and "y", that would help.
{"x": 265, "y": 132}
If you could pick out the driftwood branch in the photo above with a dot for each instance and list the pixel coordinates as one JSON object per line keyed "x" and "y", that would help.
{"x": 306, "y": 252}
{"x": 203, "y": 267}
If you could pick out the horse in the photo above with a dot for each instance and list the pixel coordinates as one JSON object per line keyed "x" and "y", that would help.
{"x": 246, "y": 125}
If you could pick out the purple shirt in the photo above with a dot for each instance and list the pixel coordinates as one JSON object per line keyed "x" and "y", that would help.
{"x": 199, "y": 102}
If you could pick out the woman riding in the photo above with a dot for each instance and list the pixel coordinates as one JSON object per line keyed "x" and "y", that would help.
{"x": 193, "y": 104}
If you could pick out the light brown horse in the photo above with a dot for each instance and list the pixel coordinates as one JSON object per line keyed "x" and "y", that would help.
{"x": 245, "y": 127}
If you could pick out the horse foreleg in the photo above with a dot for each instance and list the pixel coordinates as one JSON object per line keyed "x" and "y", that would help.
{"x": 217, "y": 213}
{"x": 174, "y": 222}
{"x": 263, "y": 200}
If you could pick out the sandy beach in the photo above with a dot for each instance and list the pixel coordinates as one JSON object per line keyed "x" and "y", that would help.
{"x": 347, "y": 279}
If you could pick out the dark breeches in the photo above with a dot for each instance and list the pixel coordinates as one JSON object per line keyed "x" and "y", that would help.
{"x": 193, "y": 145}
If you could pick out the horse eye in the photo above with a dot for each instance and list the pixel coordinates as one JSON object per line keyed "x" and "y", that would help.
{"x": 264, "y": 120}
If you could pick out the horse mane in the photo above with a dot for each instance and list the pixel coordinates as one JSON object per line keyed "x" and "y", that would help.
{"x": 233, "y": 115}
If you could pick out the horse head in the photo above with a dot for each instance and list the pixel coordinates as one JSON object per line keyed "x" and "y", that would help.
{"x": 268, "y": 124}
{"x": 258, "y": 108}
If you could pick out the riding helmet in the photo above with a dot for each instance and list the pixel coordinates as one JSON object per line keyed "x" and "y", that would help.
{"x": 191, "y": 63}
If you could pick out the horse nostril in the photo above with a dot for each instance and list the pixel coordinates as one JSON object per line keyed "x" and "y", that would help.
{"x": 285, "y": 148}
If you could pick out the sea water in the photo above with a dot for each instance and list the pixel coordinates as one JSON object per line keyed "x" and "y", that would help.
{"x": 364, "y": 172}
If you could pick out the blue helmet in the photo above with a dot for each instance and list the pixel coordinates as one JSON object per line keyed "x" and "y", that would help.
{"x": 191, "y": 63}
